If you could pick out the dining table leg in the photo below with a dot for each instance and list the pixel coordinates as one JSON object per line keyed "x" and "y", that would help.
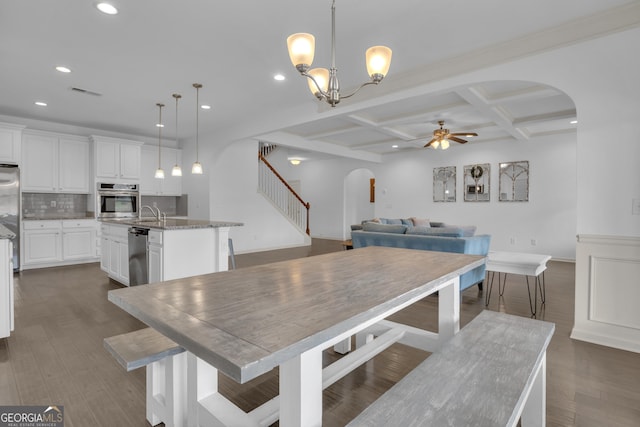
{"x": 301, "y": 390}
{"x": 449, "y": 311}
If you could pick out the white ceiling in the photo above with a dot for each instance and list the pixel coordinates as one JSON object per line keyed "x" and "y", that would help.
{"x": 154, "y": 48}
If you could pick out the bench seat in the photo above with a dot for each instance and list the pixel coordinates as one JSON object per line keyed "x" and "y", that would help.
{"x": 166, "y": 367}
{"x": 489, "y": 374}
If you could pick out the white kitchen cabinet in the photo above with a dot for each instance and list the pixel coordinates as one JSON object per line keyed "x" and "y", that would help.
{"x": 115, "y": 252}
{"x": 51, "y": 163}
{"x": 10, "y": 137}
{"x": 58, "y": 242}
{"x": 170, "y": 185}
{"x": 116, "y": 160}
{"x": 42, "y": 242}
{"x": 6, "y": 288}
{"x": 154, "y": 255}
{"x": 78, "y": 239}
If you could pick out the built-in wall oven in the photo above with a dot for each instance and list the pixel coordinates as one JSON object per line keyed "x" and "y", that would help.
{"x": 118, "y": 200}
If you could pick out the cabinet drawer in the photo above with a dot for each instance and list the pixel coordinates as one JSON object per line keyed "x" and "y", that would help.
{"x": 155, "y": 237}
{"x": 41, "y": 225}
{"x": 79, "y": 223}
{"x": 119, "y": 231}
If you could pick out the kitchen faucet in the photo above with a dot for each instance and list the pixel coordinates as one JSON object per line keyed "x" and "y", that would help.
{"x": 156, "y": 212}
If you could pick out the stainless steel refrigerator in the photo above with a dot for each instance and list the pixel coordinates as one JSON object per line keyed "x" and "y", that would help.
{"x": 10, "y": 206}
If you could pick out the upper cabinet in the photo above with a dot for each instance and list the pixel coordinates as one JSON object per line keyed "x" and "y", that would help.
{"x": 10, "y": 137}
{"x": 55, "y": 164}
{"x": 152, "y": 186}
{"x": 116, "y": 160}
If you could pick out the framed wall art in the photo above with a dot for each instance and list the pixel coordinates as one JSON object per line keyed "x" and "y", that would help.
{"x": 444, "y": 184}
{"x": 514, "y": 182}
{"x": 477, "y": 182}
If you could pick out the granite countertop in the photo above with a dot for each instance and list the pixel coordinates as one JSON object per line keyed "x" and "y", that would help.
{"x": 173, "y": 223}
{"x": 5, "y": 233}
{"x": 87, "y": 215}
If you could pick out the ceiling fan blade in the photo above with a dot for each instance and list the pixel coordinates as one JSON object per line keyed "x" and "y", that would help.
{"x": 430, "y": 142}
{"x": 456, "y": 139}
{"x": 464, "y": 134}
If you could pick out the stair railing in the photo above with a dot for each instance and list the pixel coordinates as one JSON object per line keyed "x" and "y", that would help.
{"x": 285, "y": 198}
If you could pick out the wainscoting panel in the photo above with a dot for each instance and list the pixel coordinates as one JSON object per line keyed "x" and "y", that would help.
{"x": 607, "y": 310}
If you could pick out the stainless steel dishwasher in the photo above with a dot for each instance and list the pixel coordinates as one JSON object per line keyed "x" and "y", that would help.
{"x": 138, "y": 263}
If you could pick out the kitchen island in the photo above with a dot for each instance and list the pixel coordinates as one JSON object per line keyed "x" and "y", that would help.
{"x": 176, "y": 248}
{"x": 6, "y": 281}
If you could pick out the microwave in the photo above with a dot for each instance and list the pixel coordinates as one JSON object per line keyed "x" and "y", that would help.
{"x": 118, "y": 200}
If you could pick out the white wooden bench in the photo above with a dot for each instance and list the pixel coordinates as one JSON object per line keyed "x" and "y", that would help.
{"x": 166, "y": 372}
{"x": 492, "y": 373}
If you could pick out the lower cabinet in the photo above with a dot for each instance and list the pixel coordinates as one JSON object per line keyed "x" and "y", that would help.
{"x": 6, "y": 288}
{"x": 114, "y": 259}
{"x": 51, "y": 243}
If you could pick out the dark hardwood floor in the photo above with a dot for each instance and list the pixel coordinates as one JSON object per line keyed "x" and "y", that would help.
{"x": 56, "y": 355}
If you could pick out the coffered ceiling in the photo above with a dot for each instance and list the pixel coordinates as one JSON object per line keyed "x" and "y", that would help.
{"x": 127, "y": 63}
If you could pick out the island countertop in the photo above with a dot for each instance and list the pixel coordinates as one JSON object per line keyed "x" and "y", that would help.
{"x": 172, "y": 223}
{"x": 5, "y": 233}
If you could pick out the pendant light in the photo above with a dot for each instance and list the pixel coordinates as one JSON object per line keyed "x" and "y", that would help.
{"x": 197, "y": 167}
{"x": 177, "y": 170}
{"x": 159, "y": 172}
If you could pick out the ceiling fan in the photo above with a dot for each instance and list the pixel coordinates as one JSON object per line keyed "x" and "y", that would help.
{"x": 442, "y": 137}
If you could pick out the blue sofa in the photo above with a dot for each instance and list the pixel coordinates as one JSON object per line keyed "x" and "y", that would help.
{"x": 427, "y": 240}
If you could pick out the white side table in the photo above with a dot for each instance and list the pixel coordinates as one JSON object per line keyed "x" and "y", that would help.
{"x": 528, "y": 265}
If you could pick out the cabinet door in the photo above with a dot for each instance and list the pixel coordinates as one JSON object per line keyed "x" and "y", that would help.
{"x": 40, "y": 163}
{"x": 107, "y": 159}
{"x": 114, "y": 258}
{"x": 105, "y": 254}
{"x": 74, "y": 166}
{"x": 130, "y": 161}
{"x": 155, "y": 263}
{"x": 123, "y": 253}
{"x": 42, "y": 246}
{"x": 10, "y": 145}
{"x": 78, "y": 244}
{"x": 149, "y": 185}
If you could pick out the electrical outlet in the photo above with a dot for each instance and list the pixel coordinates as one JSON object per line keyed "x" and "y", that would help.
{"x": 54, "y": 203}
{"x": 512, "y": 240}
{"x": 534, "y": 242}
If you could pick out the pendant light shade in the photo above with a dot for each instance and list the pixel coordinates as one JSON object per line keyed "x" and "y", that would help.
{"x": 159, "y": 172}
{"x": 177, "y": 170}
{"x": 197, "y": 167}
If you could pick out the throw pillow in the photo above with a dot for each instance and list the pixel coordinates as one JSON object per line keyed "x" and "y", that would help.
{"x": 420, "y": 222}
{"x": 407, "y": 221}
{"x": 384, "y": 228}
{"x": 394, "y": 221}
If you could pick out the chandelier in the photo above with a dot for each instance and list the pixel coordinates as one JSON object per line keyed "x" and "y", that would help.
{"x": 324, "y": 83}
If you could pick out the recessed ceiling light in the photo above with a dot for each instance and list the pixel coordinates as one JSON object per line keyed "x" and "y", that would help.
{"x": 63, "y": 69}
{"x": 394, "y": 146}
{"x": 278, "y": 77}
{"x": 205, "y": 107}
{"x": 573, "y": 122}
{"x": 107, "y": 8}
{"x": 41, "y": 104}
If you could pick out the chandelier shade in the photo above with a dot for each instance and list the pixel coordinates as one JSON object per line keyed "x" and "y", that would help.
{"x": 302, "y": 48}
{"x": 319, "y": 82}
{"x": 378, "y": 62}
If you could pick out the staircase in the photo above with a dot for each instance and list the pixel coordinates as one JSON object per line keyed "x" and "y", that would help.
{"x": 284, "y": 198}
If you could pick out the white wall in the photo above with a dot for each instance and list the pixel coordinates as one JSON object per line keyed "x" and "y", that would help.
{"x": 357, "y": 199}
{"x": 404, "y": 188}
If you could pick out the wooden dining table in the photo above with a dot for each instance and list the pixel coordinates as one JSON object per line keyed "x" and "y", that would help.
{"x": 249, "y": 321}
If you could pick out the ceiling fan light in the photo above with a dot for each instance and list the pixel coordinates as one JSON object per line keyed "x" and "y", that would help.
{"x": 435, "y": 144}
{"x": 444, "y": 144}
{"x": 321, "y": 75}
{"x": 302, "y": 48}
{"x": 378, "y": 61}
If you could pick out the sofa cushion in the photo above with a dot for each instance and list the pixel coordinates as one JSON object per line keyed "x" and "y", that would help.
{"x": 420, "y": 222}
{"x": 407, "y": 221}
{"x": 393, "y": 221}
{"x": 384, "y": 228}
{"x": 439, "y": 231}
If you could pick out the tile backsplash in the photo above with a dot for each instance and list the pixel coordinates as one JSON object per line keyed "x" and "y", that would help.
{"x": 47, "y": 205}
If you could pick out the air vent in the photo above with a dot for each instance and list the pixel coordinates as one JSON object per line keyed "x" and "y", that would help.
{"x": 85, "y": 91}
